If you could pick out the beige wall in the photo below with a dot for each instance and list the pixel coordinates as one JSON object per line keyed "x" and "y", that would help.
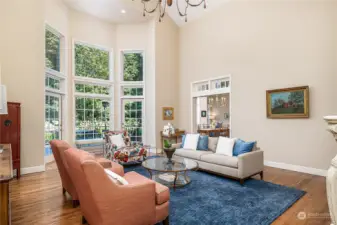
{"x": 138, "y": 37}
{"x": 266, "y": 45}
{"x": 167, "y": 72}
{"x": 22, "y": 60}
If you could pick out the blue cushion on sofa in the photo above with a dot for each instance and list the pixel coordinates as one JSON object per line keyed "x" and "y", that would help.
{"x": 242, "y": 147}
{"x": 183, "y": 141}
{"x": 203, "y": 143}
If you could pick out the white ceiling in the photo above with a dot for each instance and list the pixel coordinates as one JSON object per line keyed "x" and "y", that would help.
{"x": 110, "y": 10}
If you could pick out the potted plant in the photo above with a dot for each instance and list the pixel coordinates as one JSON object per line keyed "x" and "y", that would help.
{"x": 169, "y": 151}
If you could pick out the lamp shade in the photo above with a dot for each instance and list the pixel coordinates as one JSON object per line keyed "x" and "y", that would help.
{"x": 3, "y": 100}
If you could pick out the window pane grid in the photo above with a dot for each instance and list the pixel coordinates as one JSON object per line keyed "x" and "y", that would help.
{"x": 52, "y": 83}
{"x": 53, "y": 120}
{"x": 133, "y": 121}
{"x": 132, "y": 91}
{"x": 91, "y": 118}
{"x": 92, "y": 89}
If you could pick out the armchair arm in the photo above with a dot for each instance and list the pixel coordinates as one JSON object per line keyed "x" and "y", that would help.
{"x": 116, "y": 204}
{"x": 116, "y": 168}
{"x": 250, "y": 163}
{"x": 132, "y": 204}
{"x": 104, "y": 162}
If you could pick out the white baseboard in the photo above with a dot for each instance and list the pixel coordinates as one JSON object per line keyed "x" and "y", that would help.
{"x": 297, "y": 168}
{"x": 35, "y": 169}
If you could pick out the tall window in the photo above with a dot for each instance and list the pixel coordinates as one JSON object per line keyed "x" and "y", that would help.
{"x": 132, "y": 94}
{"x": 54, "y": 86}
{"x": 93, "y": 91}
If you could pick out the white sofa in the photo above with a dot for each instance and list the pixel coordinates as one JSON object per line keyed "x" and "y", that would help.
{"x": 240, "y": 168}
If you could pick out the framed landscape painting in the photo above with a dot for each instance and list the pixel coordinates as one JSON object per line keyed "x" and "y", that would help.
{"x": 288, "y": 103}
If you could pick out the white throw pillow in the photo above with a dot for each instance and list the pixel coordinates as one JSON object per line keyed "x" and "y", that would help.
{"x": 225, "y": 146}
{"x": 191, "y": 141}
{"x": 114, "y": 177}
{"x": 117, "y": 140}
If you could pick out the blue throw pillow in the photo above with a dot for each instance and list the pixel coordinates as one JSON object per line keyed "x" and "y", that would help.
{"x": 183, "y": 141}
{"x": 203, "y": 143}
{"x": 242, "y": 147}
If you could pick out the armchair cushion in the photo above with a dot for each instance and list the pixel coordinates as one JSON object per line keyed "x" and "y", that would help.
{"x": 114, "y": 177}
{"x": 162, "y": 192}
{"x": 117, "y": 140}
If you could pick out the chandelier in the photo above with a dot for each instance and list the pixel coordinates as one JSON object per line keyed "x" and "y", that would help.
{"x": 161, "y": 4}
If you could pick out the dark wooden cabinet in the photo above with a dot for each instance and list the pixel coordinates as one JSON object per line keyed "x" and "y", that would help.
{"x": 10, "y": 129}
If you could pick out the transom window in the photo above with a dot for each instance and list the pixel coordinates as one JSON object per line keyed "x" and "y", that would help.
{"x": 53, "y": 83}
{"x": 91, "y": 88}
{"x": 93, "y": 96}
{"x": 53, "y": 42}
{"x": 133, "y": 66}
{"x": 132, "y": 91}
{"x": 92, "y": 62}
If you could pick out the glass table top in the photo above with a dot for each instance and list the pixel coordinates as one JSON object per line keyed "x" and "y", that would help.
{"x": 162, "y": 164}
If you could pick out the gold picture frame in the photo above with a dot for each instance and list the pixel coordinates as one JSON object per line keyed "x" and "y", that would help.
{"x": 168, "y": 113}
{"x": 288, "y": 103}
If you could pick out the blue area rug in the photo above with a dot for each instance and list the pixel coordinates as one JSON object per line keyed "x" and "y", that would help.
{"x": 211, "y": 199}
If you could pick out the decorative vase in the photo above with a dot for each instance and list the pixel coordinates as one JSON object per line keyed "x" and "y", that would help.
{"x": 169, "y": 153}
{"x": 331, "y": 179}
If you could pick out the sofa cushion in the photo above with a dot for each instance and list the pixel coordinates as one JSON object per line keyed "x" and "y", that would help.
{"x": 203, "y": 143}
{"x": 191, "y": 141}
{"x": 191, "y": 154}
{"x": 212, "y": 143}
{"x": 222, "y": 160}
{"x": 182, "y": 141}
{"x": 242, "y": 147}
{"x": 162, "y": 192}
{"x": 225, "y": 146}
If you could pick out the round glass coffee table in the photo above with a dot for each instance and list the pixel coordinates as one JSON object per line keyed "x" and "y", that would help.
{"x": 172, "y": 174}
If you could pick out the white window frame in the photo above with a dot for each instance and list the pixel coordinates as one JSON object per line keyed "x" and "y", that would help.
{"x": 60, "y": 75}
{"x": 210, "y": 92}
{"x": 92, "y": 81}
{"x": 131, "y": 84}
{"x": 121, "y": 76}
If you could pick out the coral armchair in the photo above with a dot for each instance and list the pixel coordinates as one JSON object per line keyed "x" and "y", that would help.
{"x": 58, "y": 148}
{"x": 103, "y": 202}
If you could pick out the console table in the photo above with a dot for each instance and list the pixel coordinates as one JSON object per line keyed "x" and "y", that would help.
{"x": 176, "y": 138}
{"x": 6, "y": 174}
{"x": 216, "y": 132}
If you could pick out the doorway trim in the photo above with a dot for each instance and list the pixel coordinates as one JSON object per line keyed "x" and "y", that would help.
{"x": 194, "y": 93}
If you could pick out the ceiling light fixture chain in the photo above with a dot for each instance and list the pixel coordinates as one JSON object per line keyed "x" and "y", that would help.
{"x": 161, "y": 4}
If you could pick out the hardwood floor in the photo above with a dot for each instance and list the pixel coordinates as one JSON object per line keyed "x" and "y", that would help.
{"x": 37, "y": 199}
